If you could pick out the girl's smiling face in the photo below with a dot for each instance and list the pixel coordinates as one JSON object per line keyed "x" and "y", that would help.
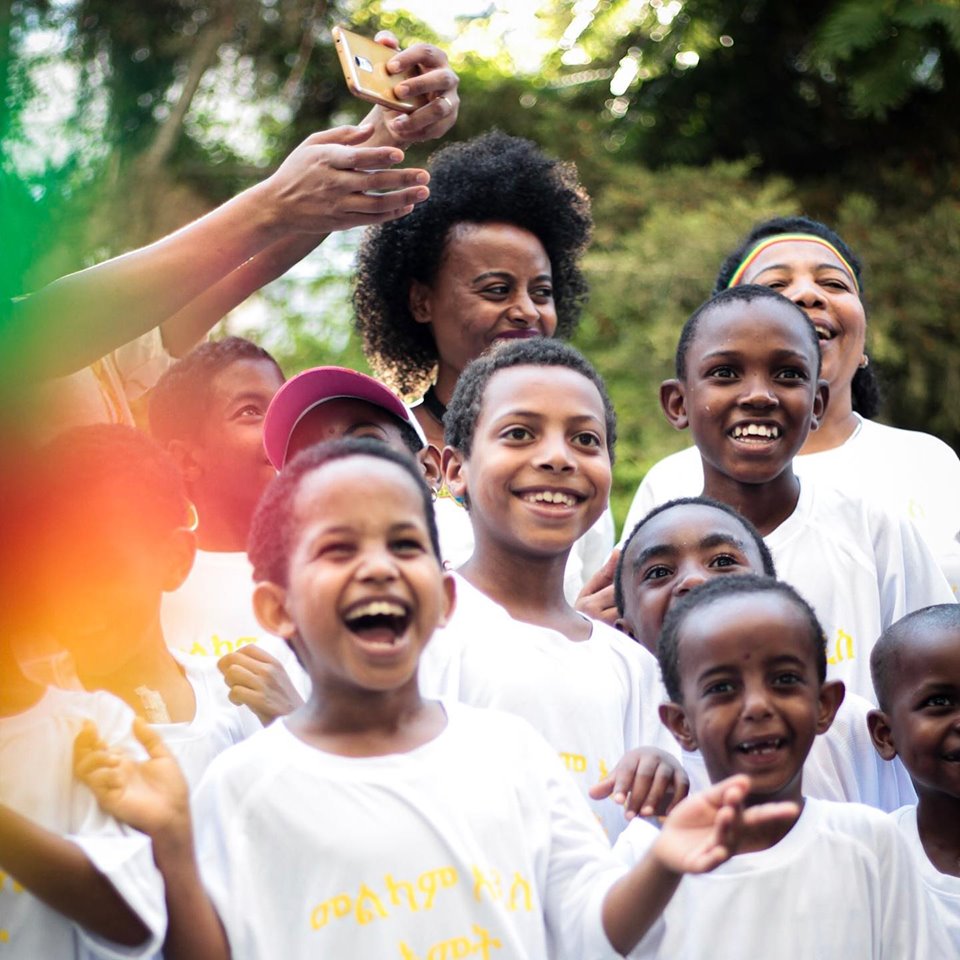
{"x": 750, "y": 394}
{"x": 814, "y": 278}
{"x": 364, "y": 590}
{"x": 538, "y": 474}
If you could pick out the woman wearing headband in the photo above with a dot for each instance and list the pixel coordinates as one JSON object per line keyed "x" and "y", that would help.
{"x": 912, "y": 473}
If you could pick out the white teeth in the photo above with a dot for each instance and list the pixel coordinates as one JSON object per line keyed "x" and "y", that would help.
{"x": 377, "y": 608}
{"x": 822, "y": 332}
{"x": 757, "y": 430}
{"x": 551, "y": 496}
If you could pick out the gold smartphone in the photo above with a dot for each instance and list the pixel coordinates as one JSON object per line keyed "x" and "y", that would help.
{"x": 364, "y": 63}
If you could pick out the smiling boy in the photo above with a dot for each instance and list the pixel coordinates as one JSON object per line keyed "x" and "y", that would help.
{"x": 747, "y": 386}
{"x": 744, "y": 664}
{"x": 916, "y": 670}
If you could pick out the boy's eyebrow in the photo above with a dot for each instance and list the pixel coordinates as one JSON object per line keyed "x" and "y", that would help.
{"x": 780, "y": 354}
{"x": 655, "y": 550}
{"x": 721, "y": 540}
{"x": 540, "y": 415}
{"x": 247, "y": 396}
{"x": 707, "y": 542}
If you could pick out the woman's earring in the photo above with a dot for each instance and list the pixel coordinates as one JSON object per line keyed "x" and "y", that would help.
{"x": 864, "y": 362}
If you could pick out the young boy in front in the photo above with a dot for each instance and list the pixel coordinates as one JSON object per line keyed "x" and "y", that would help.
{"x": 916, "y": 673}
{"x": 372, "y": 823}
{"x": 747, "y": 386}
{"x": 530, "y": 440}
{"x": 687, "y": 542}
{"x": 744, "y": 664}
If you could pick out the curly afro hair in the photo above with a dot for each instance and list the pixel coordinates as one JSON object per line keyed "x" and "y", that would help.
{"x": 865, "y": 389}
{"x": 493, "y": 178}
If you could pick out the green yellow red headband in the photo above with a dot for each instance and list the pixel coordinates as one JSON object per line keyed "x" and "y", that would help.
{"x": 787, "y": 238}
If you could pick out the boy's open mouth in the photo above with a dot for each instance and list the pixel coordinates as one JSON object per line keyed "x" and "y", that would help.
{"x": 378, "y": 621}
{"x": 755, "y": 432}
{"x": 561, "y": 498}
{"x": 762, "y": 746}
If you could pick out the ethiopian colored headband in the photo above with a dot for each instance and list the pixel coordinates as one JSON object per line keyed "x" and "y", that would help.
{"x": 786, "y": 238}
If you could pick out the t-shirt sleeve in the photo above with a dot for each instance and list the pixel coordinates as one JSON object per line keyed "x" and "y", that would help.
{"x": 631, "y": 847}
{"x": 141, "y": 362}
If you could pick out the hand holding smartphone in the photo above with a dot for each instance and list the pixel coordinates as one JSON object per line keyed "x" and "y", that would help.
{"x": 364, "y": 63}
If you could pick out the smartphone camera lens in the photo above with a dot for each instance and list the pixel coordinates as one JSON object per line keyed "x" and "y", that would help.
{"x": 363, "y": 63}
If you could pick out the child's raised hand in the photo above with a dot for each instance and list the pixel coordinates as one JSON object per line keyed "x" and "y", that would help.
{"x": 258, "y": 680}
{"x": 646, "y": 782}
{"x": 706, "y": 829}
{"x": 597, "y": 598}
{"x": 150, "y": 795}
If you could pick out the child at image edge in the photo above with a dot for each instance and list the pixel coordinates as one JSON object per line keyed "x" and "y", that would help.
{"x": 373, "y": 823}
{"x": 916, "y": 672}
{"x": 744, "y": 663}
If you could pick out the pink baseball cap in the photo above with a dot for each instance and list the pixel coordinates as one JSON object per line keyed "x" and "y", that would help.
{"x": 300, "y": 394}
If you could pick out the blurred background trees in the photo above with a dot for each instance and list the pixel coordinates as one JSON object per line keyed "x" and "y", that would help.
{"x": 689, "y": 121}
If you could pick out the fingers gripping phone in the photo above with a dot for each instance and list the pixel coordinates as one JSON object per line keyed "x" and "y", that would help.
{"x": 364, "y": 63}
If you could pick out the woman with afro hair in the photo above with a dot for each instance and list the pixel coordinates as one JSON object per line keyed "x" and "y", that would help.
{"x": 492, "y": 254}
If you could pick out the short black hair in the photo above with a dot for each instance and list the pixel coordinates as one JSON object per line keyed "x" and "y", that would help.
{"x": 493, "y": 178}
{"x": 867, "y": 395}
{"x": 668, "y": 649}
{"x": 745, "y": 293}
{"x": 179, "y": 402}
{"x": 460, "y": 420}
{"x": 894, "y": 643}
{"x": 272, "y": 531}
{"x": 766, "y": 557}
{"x": 109, "y": 475}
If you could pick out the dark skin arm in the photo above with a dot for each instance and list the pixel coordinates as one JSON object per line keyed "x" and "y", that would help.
{"x": 59, "y": 873}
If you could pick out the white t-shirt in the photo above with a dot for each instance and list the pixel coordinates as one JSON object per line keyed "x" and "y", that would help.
{"x": 842, "y": 764}
{"x": 211, "y": 614}
{"x": 913, "y": 474}
{"x": 588, "y": 555}
{"x": 860, "y": 567}
{"x": 36, "y": 780}
{"x": 216, "y": 725}
{"x": 943, "y": 888}
{"x": 841, "y": 884}
{"x": 591, "y": 700}
{"x": 474, "y": 844}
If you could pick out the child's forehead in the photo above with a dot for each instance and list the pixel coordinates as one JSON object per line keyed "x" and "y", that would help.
{"x": 928, "y": 651}
{"x": 343, "y": 492}
{"x": 744, "y": 628}
{"x": 690, "y": 525}
{"x": 767, "y": 322}
{"x": 543, "y": 390}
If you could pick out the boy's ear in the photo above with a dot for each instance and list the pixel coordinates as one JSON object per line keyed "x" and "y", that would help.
{"x": 185, "y": 457}
{"x": 270, "y": 608}
{"x": 832, "y": 693}
{"x": 455, "y": 472}
{"x": 181, "y": 550}
{"x": 432, "y": 466}
{"x": 419, "y": 300}
{"x": 878, "y": 723}
{"x": 820, "y": 400}
{"x": 673, "y": 403}
{"x": 449, "y": 598}
{"x": 674, "y": 718}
